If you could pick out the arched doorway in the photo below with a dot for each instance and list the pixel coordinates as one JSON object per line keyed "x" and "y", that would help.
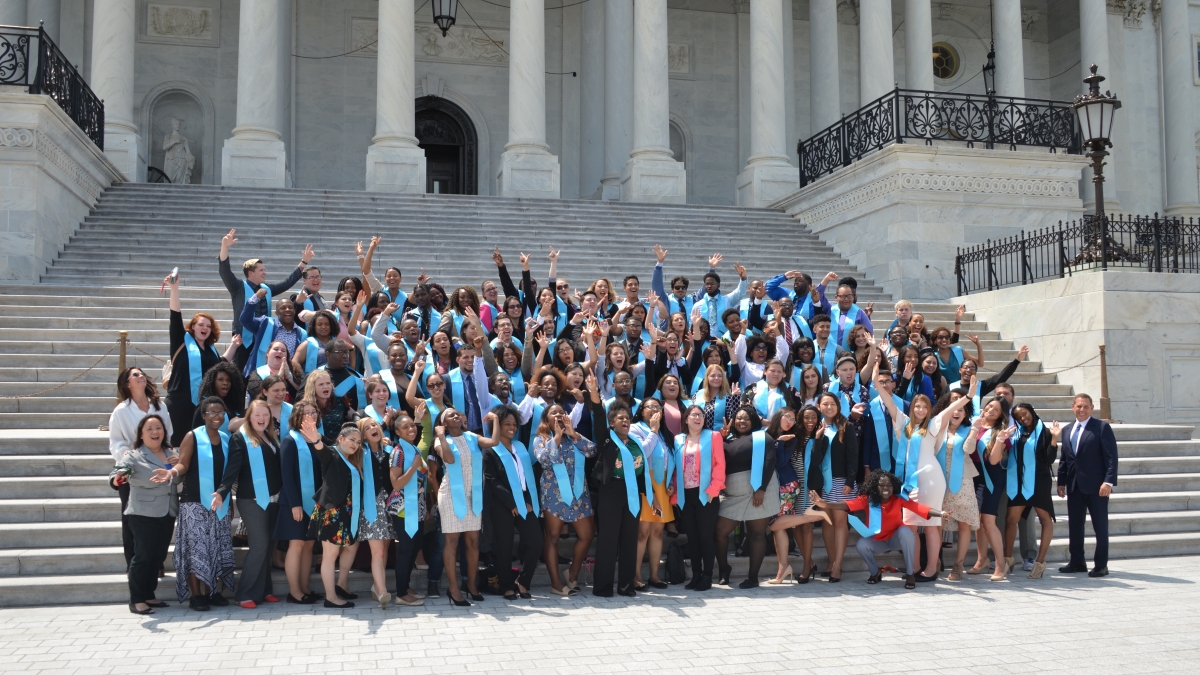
{"x": 447, "y": 136}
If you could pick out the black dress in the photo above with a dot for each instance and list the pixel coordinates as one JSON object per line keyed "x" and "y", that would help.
{"x": 290, "y": 494}
{"x": 179, "y": 387}
{"x": 1044, "y": 454}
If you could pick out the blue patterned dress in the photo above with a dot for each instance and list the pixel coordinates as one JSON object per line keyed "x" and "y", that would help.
{"x": 549, "y": 453}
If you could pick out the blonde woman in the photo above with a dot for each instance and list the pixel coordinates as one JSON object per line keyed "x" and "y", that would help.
{"x": 376, "y": 481}
{"x": 718, "y": 400}
{"x": 254, "y": 467}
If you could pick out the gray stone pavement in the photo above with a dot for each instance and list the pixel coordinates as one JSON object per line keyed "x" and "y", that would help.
{"x": 1140, "y": 619}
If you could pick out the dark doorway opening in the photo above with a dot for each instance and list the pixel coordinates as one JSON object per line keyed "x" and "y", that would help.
{"x": 447, "y": 135}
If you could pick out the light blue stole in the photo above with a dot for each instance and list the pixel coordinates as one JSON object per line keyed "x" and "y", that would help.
{"x": 799, "y": 325}
{"x": 311, "y": 353}
{"x": 204, "y": 457}
{"x": 842, "y": 323}
{"x": 879, "y": 420}
{"x": 874, "y": 520}
{"x": 705, "y": 466}
{"x": 698, "y": 381}
{"x": 393, "y": 389}
{"x": 956, "y": 351}
{"x": 826, "y": 358}
{"x": 375, "y": 357}
{"x": 195, "y": 368}
{"x": 712, "y": 307}
{"x": 660, "y": 461}
{"x": 356, "y": 497}
{"x": 981, "y": 448}
{"x": 568, "y": 490}
{"x": 846, "y": 398}
{"x": 249, "y": 291}
{"x": 264, "y": 371}
{"x": 803, "y": 309}
{"x": 458, "y": 493}
{"x": 826, "y": 461}
{"x": 955, "y": 442}
{"x": 632, "y": 406}
{"x": 630, "y": 474}
{"x": 258, "y": 470}
{"x": 758, "y": 453}
{"x": 351, "y": 382}
{"x": 377, "y": 416}
{"x": 718, "y": 413}
{"x": 911, "y": 447}
{"x": 1028, "y": 458}
{"x": 516, "y": 382}
{"x": 684, "y": 307}
{"x": 560, "y": 316}
{"x": 458, "y": 396}
{"x": 519, "y": 345}
{"x": 432, "y": 408}
{"x": 267, "y": 338}
{"x": 409, "y": 454}
{"x": 285, "y": 413}
{"x": 768, "y": 400}
{"x": 535, "y": 419}
{"x": 514, "y": 483}
{"x": 308, "y": 484}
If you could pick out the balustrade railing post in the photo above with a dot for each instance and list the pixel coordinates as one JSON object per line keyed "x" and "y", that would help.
{"x": 991, "y": 268}
{"x": 123, "y": 341}
{"x": 1062, "y": 253}
{"x": 1156, "y": 236}
{"x": 843, "y": 145}
{"x": 958, "y": 270}
{"x": 898, "y": 114}
{"x": 1024, "y": 261}
{"x": 1104, "y": 242}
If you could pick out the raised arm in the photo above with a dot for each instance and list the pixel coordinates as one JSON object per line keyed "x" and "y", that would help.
{"x": 656, "y": 279}
{"x": 410, "y": 394}
{"x": 231, "y": 282}
{"x": 978, "y": 349}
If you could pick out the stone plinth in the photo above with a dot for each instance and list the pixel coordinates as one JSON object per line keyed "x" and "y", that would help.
{"x": 395, "y": 169}
{"x": 655, "y": 180}
{"x": 525, "y": 174}
{"x": 50, "y": 177}
{"x": 900, "y": 213}
{"x": 762, "y": 184}
{"x": 1147, "y": 321}
{"x": 253, "y": 162}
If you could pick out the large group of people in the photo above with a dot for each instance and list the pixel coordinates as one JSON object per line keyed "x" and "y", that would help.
{"x": 470, "y": 432}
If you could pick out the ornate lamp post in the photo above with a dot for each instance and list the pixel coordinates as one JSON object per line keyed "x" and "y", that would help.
{"x": 1095, "y": 112}
{"x": 989, "y": 72}
{"x": 445, "y": 13}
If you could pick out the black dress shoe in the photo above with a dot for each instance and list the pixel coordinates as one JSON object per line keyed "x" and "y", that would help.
{"x": 344, "y": 594}
{"x": 705, "y": 582}
{"x": 1098, "y": 572}
{"x": 475, "y": 596}
{"x": 134, "y": 610}
{"x": 640, "y": 587}
{"x": 218, "y": 600}
{"x": 199, "y": 603}
{"x": 748, "y": 583}
{"x": 660, "y": 585}
{"x": 723, "y": 576}
{"x": 602, "y": 593}
{"x": 432, "y": 590}
{"x": 294, "y": 601}
{"x": 311, "y": 599}
{"x": 628, "y": 592}
{"x": 695, "y": 581}
{"x": 1073, "y": 569}
{"x": 921, "y": 578}
{"x": 345, "y": 605}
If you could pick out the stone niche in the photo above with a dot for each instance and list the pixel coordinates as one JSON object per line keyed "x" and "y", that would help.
{"x": 184, "y": 107}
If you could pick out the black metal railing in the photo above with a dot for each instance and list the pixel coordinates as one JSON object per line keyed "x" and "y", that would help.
{"x": 29, "y": 58}
{"x": 1149, "y": 243}
{"x": 910, "y": 114}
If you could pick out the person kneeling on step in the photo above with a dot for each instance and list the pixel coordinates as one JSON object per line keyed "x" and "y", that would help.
{"x": 884, "y": 529}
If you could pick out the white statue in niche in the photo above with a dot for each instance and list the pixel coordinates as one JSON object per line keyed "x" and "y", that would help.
{"x": 179, "y": 161}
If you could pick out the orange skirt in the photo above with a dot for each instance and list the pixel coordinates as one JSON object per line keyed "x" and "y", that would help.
{"x": 662, "y": 500}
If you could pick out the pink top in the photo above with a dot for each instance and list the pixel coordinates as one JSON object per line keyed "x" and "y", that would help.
{"x": 691, "y": 464}
{"x": 671, "y": 417}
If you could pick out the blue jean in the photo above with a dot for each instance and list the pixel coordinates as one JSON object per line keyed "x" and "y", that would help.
{"x": 428, "y": 539}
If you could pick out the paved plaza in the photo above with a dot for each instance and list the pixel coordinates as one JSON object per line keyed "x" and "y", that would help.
{"x": 1140, "y": 619}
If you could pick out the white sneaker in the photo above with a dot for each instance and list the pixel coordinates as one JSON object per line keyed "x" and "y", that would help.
{"x": 1028, "y": 566}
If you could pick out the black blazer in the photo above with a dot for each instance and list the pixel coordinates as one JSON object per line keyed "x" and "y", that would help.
{"x": 1093, "y": 463}
{"x": 496, "y": 488}
{"x": 844, "y": 458}
{"x": 238, "y": 469}
{"x": 336, "y": 482}
{"x": 606, "y": 451}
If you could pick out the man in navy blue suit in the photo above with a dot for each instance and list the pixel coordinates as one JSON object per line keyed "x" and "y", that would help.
{"x": 1087, "y": 472}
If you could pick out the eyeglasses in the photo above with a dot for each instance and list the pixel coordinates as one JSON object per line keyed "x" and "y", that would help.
{"x": 311, "y": 413}
{"x": 843, "y": 296}
{"x": 562, "y": 287}
{"x": 313, "y": 276}
{"x": 431, "y": 385}
{"x": 942, "y": 337}
{"x": 343, "y": 352}
{"x": 214, "y": 413}
{"x": 758, "y": 347}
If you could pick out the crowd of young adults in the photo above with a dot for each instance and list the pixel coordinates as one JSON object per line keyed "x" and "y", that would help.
{"x": 446, "y": 426}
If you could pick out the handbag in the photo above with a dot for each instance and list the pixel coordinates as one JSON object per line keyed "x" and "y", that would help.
{"x": 168, "y": 367}
{"x": 676, "y": 572}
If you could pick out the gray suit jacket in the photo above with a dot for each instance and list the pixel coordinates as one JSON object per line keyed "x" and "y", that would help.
{"x": 146, "y": 498}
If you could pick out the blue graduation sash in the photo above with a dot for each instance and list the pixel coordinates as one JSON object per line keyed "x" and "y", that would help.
{"x": 698, "y": 381}
{"x": 799, "y": 325}
{"x": 826, "y": 461}
{"x": 308, "y": 484}
{"x": 842, "y": 323}
{"x": 258, "y": 470}
{"x": 409, "y": 454}
{"x": 874, "y": 517}
{"x": 377, "y": 416}
{"x": 712, "y": 307}
{"x": 684, "y": 306}
{"x": 349, "y": 383}
{"x": 311, "y": 354}
{"x": 458, "y": 396}
{"x": 1028, "y": 452}
{"x": 912, "y": 453}
{"x": 224, "y": 428}
{"x": 268, "y": 336}
{"x": 630, "y": 475}
{"x": 796, "y": 381}
{"x": 356, "y": 498}
{"x": 846, "y": 398}
{"x": 719, "y": 414}
{"x": 458, "y": 494}
{"x": 767, "y": 400}
{"x": 705, "y": 465}
{"x": 560, "y": 315}
{"x": 758, "y": 452}
{"x": 570, "y": 492}
{"x": 514, "y": 484}
{"x": 393, "y": 389}
{"x": 743, "y": 310}
{"x": 657, "y": 451}
{"x": 803, "y": 309}
{"x": 639, "y": 384}
{"x": 204, "y": 457}
{"x": 195, "y": 368}
{"x": 285, "y": 413}
{"x": 826, "y": 358}
{"x": 955, "y": 442}
{"x": 879, "y": 419}
{"x": 956, "y": 352}
{"x": 249, "y": 291}
{"x": 535, "y": 419}
{"x": 264, "y": 371}
{"x": 519, "y": 345}
{"x": 432, "y": 408}
{"x": 981, "y": 448}
{"x": 495, "y": 313}
{"x": 516, "y": 381}
{"x": 370, "y": 507}
{"x": 375, "y": 357}
{"x": 633, "y": 406}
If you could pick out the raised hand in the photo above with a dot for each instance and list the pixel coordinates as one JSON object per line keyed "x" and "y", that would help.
{"x": 648, "y": 350}
{"x": 419, "y": 366}
{"x": 301, "y": 297}
{"x": 422, "y": 278}
{"x": 740, "y": 269}
{"x": 228, "y": 240}
{"x": 524, "y": 260}
{"x": 260, "y": 293}
{"x": 171, "y": 284}
{"x": 655, "y": 419}
{"x": 161, "y": 476}
{"x": 910, "y": 369}
{"x": 1056, "y": 429}
{"x": 714, "y": 260}
{"x": 376, "y": 240}
{"x": 832, "y": 276}
{"x": 308, "y": 254}
{"x": 1023, "y": 353}
{"x": 530, "y": 325}
{"x": 308, "y": 429}
{"x": 391, "y": 309}
{"x": 660, "y": 253}
{"x": 652, "y": 299}
{"x": 736, "y": 390}
{"x": 419, "y": 412}
{"x": 590, "y": 381}
{"x": 496, "y": 257}
{"x": 959, "y": 312}
{"x": 236, "y": 340}
{"x": 358, "y": 249}
{"x": 553, "y": 256}
{"x": 973, "y": 338}
{"x": 543, "y": 340}
{"x": 791, "y": 274}
{"x": 440, "y": 431}
{"x": 421, "y": 348}
{"x": 869, "y": 308}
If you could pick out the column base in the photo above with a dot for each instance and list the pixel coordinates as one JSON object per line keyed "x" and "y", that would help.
{"x": 760, "y": 185}
{"x": 530, "y": 175}
{"x": 127, "y": 151}
{"x": 395, "y": 169}
{"x": 654, "y": 179}
{"x": 253, "y": 162}
{"x": 610, "y": 189}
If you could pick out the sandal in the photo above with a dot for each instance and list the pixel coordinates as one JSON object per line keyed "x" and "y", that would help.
{"x": 955, "y": 573}
{"x": 910, "y": 581}
{"x": 875, "y": 578}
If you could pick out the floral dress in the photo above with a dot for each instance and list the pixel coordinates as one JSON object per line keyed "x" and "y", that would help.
{"x": 549, "y": 453}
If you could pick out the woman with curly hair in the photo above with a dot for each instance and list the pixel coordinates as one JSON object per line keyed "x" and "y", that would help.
{"x": 225, "y": 382}
{"x": 884, "y": 528}
{"x": 193, "y": 353}
{"x": 751, "y": 491}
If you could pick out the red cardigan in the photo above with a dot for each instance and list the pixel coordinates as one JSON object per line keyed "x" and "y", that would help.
{"x": 893, "y": 518}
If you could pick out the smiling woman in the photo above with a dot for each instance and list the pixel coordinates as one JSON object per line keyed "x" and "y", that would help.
{"x": 192, "y": 355}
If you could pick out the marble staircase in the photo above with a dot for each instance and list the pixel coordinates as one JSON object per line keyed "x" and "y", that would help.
{"x": 60, "y": 536}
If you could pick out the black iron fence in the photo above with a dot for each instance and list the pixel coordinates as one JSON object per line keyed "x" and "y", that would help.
{"x": 29, "y": 58}
{"x": 909, "y": 114}
{"x": 1148, "y": 243}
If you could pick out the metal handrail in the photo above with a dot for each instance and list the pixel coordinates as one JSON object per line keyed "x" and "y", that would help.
{"x": 52, "y": 74}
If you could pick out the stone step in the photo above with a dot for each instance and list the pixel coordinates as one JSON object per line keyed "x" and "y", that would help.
{"x": 82, "y": 348}
{"x": 55, "y": 465}
{"x": 1161, "y": 482}
{"x": 1161, "y": 449}
{"x": 41, "y": 487}
{"x": 78, "y": 420}
{"x": 42, "y": 442}
{"x": 64, "y": 405}
{"x": 1152, "y": 432}
{"x": 65, "y": 534}
{"x": 102, "y": 388}
{"x": 59, "y": 510}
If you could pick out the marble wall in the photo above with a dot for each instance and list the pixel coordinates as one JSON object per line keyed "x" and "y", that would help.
{"x": 1147, "y": 323}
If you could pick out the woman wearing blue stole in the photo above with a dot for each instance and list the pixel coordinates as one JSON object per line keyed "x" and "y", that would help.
{"x": 319, "y": 391}
{"x": 254, "y": 467}
{"x": 911, "y": 380}
{"x": 1028, "y": 481}
{"x": 378, "y": 404}
{"x": 656, "y": 442}
{"x": 835, "y": 463}
{"x": 562, "y": 451}
{"x": 193, "y": 353}
{"x": 439, "y": 400}
{"x": 751, "y": 491}
{"x": 412, "y": 519}
{"x": 772, "y": 393}
{"x": 620, "y": 471}
{"x": 278, "y": 365}
{"x": 512, "y": 493}
{"x": 460, "y": 498}
{"x": 699, "y": 479}
{"x": 225, "y": 382}
{"x": 794, "y": 450}
{"x": 301, "y": 474}
{"x": 310, "y": 354}
{"x": 990, "y": 436}
{"x": 377, "y": 532}
{"x": 716, "y": 398}
{"x": 340, "y": 504}
{"x": 203, "y": 547}
{"x": 960, "y": 478}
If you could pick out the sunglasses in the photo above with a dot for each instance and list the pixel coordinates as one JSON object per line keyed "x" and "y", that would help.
{"x": 562, "y": 287}
{"x": 680, "y": 288}
{"x": 431, "y": 385}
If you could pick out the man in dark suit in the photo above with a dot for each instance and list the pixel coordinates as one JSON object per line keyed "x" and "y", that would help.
{"x": 1087, "y": 472}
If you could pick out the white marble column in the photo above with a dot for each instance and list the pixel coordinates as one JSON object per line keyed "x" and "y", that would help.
{"x": 591, "y": 113}
{"x": 1010, "y": 48}
{"x": 12, "y": 12}
{"x": 394, "y": 162}
{"x": 113, "y": 40}
{"x": 918, "y": 45}
{"x": 47, "y": 12}
{"x": 255, "y": 155}
{"x": 1093, "y": 48}
{"x": 1178, "y": 61}
{"x": 652, "y": 174}
{"x": 618, "y": 94}
{"x": 876, "y": 57}
{"x": 527, "y": 169}
{"x": 768, "y": 174}
{"x": 825, "y": 86}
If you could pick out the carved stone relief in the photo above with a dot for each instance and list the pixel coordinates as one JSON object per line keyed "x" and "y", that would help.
{"x": 462, "y": 43}
{"x": 189, "y": 22}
